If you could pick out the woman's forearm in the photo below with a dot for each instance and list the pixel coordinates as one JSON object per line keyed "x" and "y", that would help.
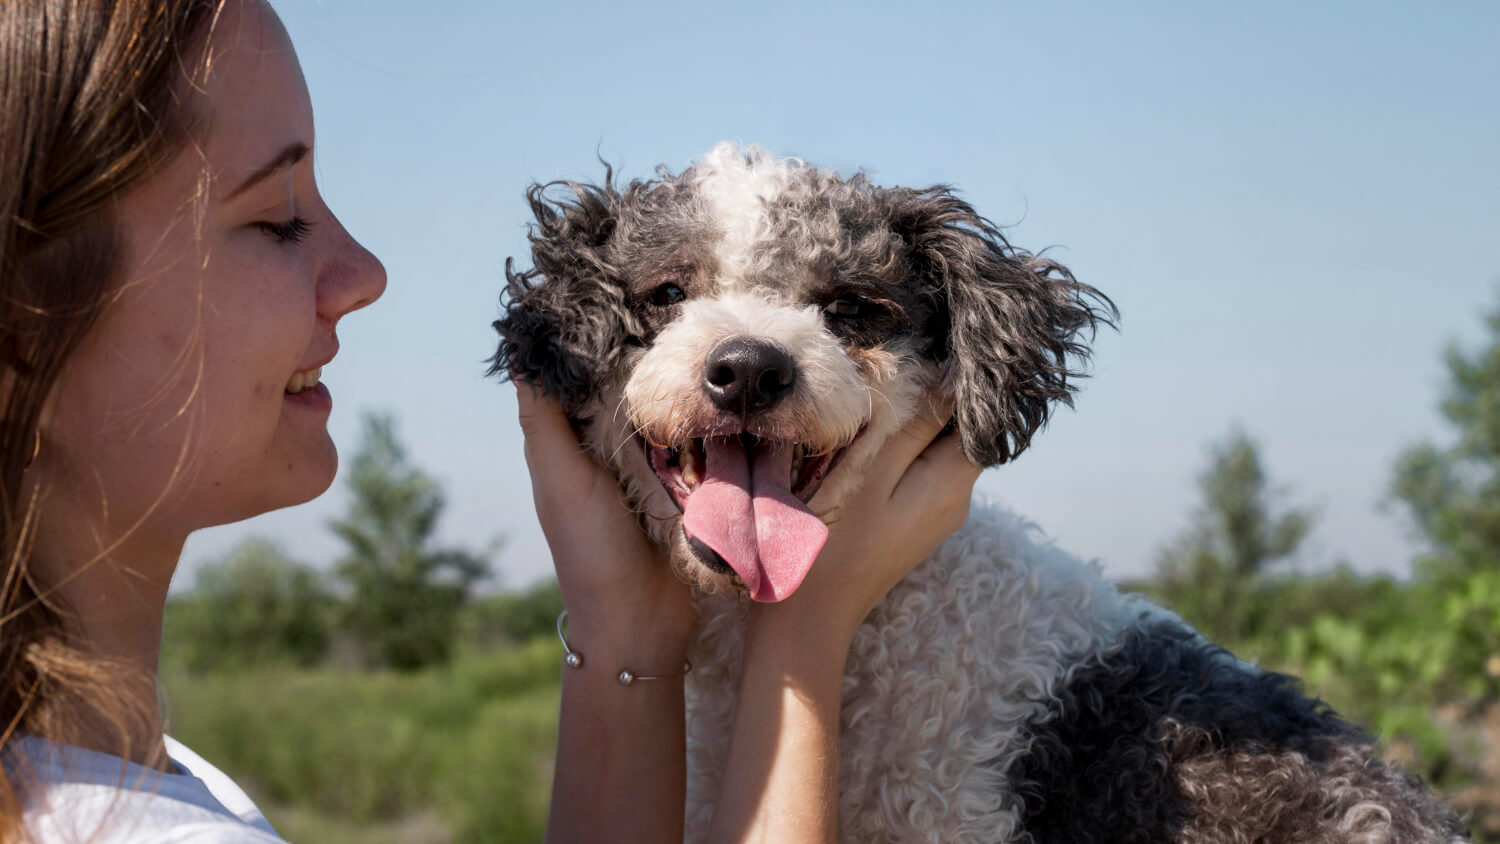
{"x": 620, "y": 771}
{"x": 781, "y": 781}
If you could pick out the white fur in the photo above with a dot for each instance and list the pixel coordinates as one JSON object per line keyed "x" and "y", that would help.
{"x": 664, "y": 393}
{"x": 737, "y": 183}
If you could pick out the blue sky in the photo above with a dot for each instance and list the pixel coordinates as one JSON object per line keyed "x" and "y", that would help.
{"x": 1295, "y": 206}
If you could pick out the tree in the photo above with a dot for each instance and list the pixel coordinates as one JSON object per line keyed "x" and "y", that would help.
{"x": 405, "y": 593}
{"x": 1214, "y": 573}
{"x": 254, "y": 606}
{"x": 1453, "y": 493}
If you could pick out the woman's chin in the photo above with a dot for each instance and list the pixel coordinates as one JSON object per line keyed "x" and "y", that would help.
{"x": 285, "y": 480}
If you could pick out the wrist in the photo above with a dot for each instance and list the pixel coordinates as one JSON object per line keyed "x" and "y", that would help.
{"x": 637, "y": 639}
{"x": 813, "y": 632}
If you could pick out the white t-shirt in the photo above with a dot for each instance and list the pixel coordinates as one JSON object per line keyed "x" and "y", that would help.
{"x": 95, "y": 798}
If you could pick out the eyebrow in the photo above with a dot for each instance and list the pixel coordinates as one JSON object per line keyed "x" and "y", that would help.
{"x": 288, "y": 157}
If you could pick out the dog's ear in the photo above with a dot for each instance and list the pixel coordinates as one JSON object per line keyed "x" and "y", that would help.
{"x": 566, "y": 320}
{"x": 1012, "y": 326}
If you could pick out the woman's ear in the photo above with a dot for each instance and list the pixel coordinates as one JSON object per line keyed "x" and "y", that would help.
{"x": 1015, "y": 323}
{"x": 566, "y": 320}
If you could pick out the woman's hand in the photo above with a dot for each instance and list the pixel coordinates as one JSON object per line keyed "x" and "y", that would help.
{"x": 915, "y": 495}
{"x": 613, "y": 579}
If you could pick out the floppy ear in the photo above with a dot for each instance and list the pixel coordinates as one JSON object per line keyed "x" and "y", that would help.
{"x": 1014, "y": 323}
{"x": 566, "y": 320}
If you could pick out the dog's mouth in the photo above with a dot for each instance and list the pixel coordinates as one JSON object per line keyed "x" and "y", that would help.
{"x": 744, "y": 505}
{"x": 682, "y": 468}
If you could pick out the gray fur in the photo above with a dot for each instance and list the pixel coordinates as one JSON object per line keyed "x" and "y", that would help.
{"x": 567, "y": 334}
{"x": 1015, "y": 320}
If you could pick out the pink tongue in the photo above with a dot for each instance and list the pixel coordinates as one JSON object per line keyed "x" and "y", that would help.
{"x": 748, "y": 515}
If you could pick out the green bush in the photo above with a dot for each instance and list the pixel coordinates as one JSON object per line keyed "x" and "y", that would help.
{"x": 509, "y": 618}
{"x": 255, "y": 606}
{"x": 470, "y": 743}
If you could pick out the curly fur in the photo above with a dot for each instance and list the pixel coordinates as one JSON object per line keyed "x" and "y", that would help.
{"x": 1245, "y": 796}
{"x": 1163, "y": 699}
{"x": 1003, "y": 692}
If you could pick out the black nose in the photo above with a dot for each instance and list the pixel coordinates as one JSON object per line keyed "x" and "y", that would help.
{"x": 744, "y": 375}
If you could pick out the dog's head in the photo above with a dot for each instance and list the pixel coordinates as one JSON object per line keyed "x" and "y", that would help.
{"x": 740, "y": 339}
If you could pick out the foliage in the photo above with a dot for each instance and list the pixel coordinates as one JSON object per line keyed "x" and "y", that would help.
{"x": 1453, "y": 496}
{"x": 1215, "y": 571}
{"x": 468, "y": 744}
{"x": 510, "y": 618}
{"x": 254, "y": 606}
{"x": 1453, "y": 493}
{"x": 405, "y": 593}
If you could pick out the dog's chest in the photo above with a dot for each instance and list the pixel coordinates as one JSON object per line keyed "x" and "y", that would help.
{"x": 941, "y": 686}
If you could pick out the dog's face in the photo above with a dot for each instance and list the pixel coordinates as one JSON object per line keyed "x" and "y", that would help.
{"x": 739, "y": 341}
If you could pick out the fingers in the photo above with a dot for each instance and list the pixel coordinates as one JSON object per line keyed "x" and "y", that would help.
{"x": 550, "y": 440}
{"x": 941, "y": 479}
{"x": 908, "y": 444}
{"x": 940, "y": 485}
{"x": 543, "y": 421}
{"x": 941, "y": 470}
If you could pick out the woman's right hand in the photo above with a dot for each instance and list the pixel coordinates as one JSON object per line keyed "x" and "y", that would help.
{"x": 619, "y": 588}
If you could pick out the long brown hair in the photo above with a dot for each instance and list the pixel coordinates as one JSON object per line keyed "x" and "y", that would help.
{"x": 91, "y": 106}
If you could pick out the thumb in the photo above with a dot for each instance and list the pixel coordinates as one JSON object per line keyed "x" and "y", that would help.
{"x": 543, "y": 423}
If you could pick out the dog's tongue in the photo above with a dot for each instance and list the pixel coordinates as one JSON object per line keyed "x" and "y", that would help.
{"x": 745, "y": 512}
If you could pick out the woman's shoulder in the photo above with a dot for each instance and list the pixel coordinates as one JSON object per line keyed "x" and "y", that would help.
{"x": 81, "y": 795}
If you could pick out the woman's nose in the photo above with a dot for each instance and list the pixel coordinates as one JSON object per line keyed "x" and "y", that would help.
{"x": 349, "y": 280}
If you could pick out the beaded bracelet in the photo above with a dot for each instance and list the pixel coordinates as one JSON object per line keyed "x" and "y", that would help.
{"x": 574, "y": 659}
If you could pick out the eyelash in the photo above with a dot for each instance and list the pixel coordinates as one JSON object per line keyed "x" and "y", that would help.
{"x": 292, "y": 231}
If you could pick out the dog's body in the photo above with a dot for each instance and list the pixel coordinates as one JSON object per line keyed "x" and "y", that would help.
{"x": 740, "y": 340}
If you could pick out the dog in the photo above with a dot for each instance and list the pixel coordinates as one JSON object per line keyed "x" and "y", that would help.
{"x": 737, "y": 341}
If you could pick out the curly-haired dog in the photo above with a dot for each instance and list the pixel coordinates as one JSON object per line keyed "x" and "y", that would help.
{"x": 739, "y": 339}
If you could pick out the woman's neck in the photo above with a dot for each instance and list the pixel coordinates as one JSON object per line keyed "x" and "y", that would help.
{"x": 110, "y": 593}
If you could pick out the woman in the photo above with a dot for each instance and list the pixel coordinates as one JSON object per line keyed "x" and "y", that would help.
{"x": 172, "y": 283}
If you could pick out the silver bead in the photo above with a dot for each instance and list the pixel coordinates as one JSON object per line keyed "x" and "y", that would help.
{"x": 626, "y": 678}
{"x": 574, "y": 660}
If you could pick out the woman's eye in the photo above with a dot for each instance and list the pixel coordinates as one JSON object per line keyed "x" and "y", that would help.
{"x": 667, "y": 295}
{"x": 292, "y": 231}
{"x": 846, "y": 307}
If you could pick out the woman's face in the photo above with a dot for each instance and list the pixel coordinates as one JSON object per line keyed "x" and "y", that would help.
{"x": 194, "y": 401}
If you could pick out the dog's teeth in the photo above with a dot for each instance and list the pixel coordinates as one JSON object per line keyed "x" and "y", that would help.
{"x": 690, "y": 474}
{"x": 798, "y": 458}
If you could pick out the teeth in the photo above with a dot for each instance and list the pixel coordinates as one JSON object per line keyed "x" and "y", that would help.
{"x": 690, "y": 475}
{"x": 304, "y": 380}
{"x": 799, "y": 455}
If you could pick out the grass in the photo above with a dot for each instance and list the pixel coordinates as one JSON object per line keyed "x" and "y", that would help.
{"x": 457, "y": 754}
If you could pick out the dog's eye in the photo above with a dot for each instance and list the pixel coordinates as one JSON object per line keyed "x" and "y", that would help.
{"x": 847, "y": 307}
{"x": 667, "y": 295}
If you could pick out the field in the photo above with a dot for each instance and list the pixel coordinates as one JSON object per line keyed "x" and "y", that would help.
{"x": 460, "y": 753}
